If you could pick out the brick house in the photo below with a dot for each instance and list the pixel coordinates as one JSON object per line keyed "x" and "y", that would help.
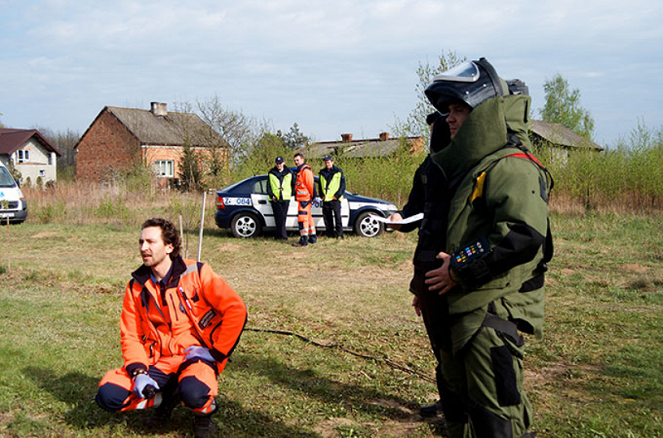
{"x": 30, "y": 153}
{"x": 120, "y": 137}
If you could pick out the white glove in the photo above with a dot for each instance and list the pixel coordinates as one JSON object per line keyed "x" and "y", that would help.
{"x": 143, "y": 381}
{"x": 198, "y": 352}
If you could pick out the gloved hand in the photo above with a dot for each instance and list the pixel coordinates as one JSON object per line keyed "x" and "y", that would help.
{"x": 142, "y": 382}
{"x": 198, "y": 352}
{"x": 318, "y": 200}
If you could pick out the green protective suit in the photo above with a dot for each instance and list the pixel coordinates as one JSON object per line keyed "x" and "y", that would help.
{"x": 501, "y": 194}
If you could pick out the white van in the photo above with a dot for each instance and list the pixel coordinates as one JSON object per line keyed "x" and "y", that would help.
{"x": 12, "y": 202}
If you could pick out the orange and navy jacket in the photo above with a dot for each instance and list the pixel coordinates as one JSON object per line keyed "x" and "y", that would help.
{"x": 304, "y": 183}
{"x": 196, "y": 307}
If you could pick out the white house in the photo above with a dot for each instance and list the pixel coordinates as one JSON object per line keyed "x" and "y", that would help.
{"x": 30, "y": 152}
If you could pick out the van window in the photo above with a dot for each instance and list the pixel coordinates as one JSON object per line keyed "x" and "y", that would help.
{"x": 6, "y": 179}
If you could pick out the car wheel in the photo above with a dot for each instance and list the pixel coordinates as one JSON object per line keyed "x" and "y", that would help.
{"x": 245, "y": 225}
{"x": 366, "y": 226}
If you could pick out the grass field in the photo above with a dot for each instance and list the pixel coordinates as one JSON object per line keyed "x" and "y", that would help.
{"x": 597, "y": 373}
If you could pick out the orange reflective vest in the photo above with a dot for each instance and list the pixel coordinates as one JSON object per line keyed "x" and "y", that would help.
{"x": 197, "y": 307}
{"x": 304, "y": 184}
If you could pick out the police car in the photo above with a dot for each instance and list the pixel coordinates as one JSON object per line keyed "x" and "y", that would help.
{"x": 244, "y": 207}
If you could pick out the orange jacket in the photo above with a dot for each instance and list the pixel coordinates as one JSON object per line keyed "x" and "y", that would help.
{"x": 200, "y": 309}
{"x": 304, "y": 183}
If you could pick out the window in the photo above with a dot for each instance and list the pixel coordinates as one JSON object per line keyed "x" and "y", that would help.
{"x": 42, "y": 173}
{"x": 23, "y": 155}
{"x": 164, "y": 168}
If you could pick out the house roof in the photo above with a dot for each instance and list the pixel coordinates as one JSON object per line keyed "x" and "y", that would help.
{"x": 364, "y": 148}
{"x": 13, "y": 139}
{"x": 172, "y": 129}
{"x": 561, "y": 135}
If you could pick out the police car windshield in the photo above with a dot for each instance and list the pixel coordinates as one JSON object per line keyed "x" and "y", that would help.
{"x": 465, "y": 72}
{"x": 6, "y": 179}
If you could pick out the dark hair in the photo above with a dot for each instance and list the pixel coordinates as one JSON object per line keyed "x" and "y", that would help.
{"x": 169, "y": 233}
{"x": 298, "y": 154}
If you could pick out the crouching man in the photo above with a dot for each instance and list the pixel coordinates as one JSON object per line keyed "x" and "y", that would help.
{"x": 180, "y": 322}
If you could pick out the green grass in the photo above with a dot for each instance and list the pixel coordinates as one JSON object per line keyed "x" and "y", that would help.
{"x": 597, "y": 372}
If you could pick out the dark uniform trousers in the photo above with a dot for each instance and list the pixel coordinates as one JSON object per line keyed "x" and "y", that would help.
{"x": 331, "y": 213}
{"x": 280, "y": 209}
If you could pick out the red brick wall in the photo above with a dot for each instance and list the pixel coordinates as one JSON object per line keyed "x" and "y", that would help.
{"x": 107, "y": 146}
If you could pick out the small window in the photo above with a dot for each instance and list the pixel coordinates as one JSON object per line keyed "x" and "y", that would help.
{"x": 42, "y": 173}
{"x": 164, "y": 168}
{"x": 23, "y": 155}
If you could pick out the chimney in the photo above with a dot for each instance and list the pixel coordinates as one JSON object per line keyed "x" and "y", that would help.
{"x": 346, "y": 138}
{"x": 384, "y": 136}
{"x": 158, "y": 109}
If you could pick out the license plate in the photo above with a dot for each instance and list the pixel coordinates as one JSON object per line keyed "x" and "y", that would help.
{"x": 4, "y": 215}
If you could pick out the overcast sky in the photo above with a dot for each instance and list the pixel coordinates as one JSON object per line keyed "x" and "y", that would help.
{"x": 330, "y": 66}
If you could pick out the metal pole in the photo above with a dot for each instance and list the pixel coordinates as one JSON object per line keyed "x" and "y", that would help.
{"x": 182, "y": 234}
{"x": 202, "y": 222}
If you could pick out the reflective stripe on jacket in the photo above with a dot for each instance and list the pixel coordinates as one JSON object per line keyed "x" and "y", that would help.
{"x": 197, "y": 307}
{"x": 304, "y": 185}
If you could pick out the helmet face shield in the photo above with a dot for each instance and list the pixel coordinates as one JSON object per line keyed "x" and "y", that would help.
{"x": 471, "y": 82}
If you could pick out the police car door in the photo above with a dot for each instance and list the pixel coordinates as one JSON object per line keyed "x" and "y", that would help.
{"x": 260, "y": 202}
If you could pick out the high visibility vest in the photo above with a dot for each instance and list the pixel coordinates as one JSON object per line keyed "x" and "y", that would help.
{"x": 331, "y": 187}
{"x": 282, "y": 188}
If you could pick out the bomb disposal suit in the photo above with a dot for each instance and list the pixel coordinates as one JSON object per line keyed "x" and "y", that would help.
{"x": 494, "y": 224}
{"x": 195, "y": 307}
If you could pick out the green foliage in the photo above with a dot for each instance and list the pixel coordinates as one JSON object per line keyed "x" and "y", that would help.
{"x": 563, "y": 106}
{"x": 294, "y": 139}
{"x": 627, "y": 176}
{"x": 190, "y": 173}
{"x": 261, "y": 158}
{"x": 113, "y": 208}
{"x": 415, "y": 124}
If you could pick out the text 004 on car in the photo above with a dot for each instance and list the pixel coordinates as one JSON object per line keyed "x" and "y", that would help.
{"x": 245, "y": 209}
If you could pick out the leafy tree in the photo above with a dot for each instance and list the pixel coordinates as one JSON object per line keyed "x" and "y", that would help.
{"x": 294, "y": 139}
{"x": 415, "y": 124}
{"x": 189, "y": 169}
{"x": 563, "y": 107}
{"x": 64, "y": 141}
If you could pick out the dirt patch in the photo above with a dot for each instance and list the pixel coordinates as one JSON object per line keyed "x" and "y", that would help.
{"x": 229, "y": 247}
{"x": 634, "y": 267}
{"x": 327, "y": 429}
{"x": 43, "y": 235}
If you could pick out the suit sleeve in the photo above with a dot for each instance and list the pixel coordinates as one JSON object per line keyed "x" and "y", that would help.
{"x": 309, "y": 181}
{"x": 131, "y": 333}
{"x": 517, "y": 192}
{"x": 230, "y": 306}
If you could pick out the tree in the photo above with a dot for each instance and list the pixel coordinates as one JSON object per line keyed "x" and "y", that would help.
{"x": 415, "y": 124}
{"x": 240, "y": 132}
{"x": 64, "y": 141}
{"x": 294, "y": 139}
{"x": 189, "y": 169}
{"x": 563, "y": 107}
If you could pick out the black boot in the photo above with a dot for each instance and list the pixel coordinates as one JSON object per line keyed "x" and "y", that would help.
{"x": 303, "y": 241}
{"x": 162, "y": 414}
{"x": 431, "y": 410}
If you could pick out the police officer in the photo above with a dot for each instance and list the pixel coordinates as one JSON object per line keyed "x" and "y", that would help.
{"x": 486, "y": 281}
{"x": 331, "y": 186}
{"x": 280, "y": 188}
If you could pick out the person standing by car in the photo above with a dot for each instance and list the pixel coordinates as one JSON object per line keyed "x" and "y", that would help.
{"x": 279, "y": 190}
{"x": 304, "y": 195}
{"x": 180, "y": 322}
{"x": 488, "y": 285}
{"x": 428, "y": 196}
{"x": 331, "y": 185}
